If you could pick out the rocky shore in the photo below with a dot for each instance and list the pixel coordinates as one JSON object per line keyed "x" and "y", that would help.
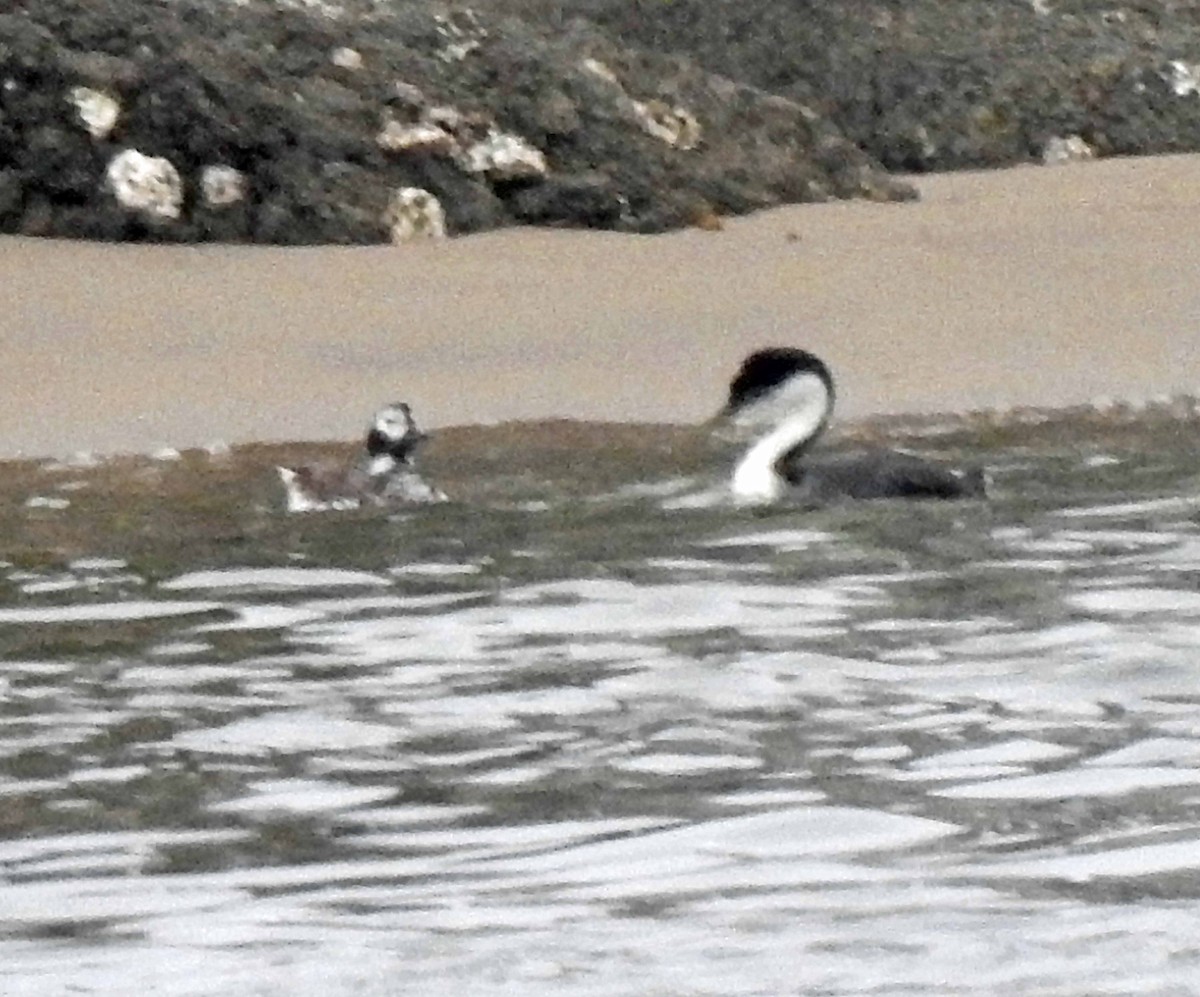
{"x": 926, "y": 85}
{"x": 364, "y": 121}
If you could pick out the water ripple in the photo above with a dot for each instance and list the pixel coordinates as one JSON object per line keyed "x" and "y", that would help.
{"x": 600, "y": 748}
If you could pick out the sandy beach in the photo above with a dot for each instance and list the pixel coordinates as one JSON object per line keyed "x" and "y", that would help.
{"x": 1044, "y": 286}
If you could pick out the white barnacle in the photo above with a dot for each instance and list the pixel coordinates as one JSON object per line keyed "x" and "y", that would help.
{"x": 97, "y": 110}
{"x": 503, "y": 156}
{"x": 222, "y": 185}
{"x": 1060, "y": 150}
{"x": 414, "y": 213}
{"x": 669, "y": 123}
{"x": 149, "y": 185}
{"x": 599, "y": 69}
{"x": 345, "y": 57}
{"x": 420, "y": 136}
{"x": 462, "y": 31}
{"x": 1182, "y": 78}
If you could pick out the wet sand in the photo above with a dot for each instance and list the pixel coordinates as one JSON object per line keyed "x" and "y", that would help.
{"x": 1044, "y": 286}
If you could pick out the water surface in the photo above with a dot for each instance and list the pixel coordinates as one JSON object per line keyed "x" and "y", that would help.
{"x": 567, "y": 735}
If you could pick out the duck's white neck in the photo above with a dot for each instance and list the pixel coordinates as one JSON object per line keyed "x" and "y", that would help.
{"x": 382, "y": 465}
{"x": 758, "y": 477}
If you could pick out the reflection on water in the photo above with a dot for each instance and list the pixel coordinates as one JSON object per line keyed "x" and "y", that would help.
{"x": 563, "y": 738}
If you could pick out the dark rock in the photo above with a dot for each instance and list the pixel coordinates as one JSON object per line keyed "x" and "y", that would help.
{"x": 37, "y": 218}
{"x": 589, "y": 200}
{"x": 233, "y": 224}
{"x": 554, "y": 114}
{"x": 96, "y": 69}
{"x": 631, "y": 139}
{"x": 649, "y": 114}
{"x": 12, "y": 197}
{"x": 931, "y": 85}
{"x": 61, "y": 163}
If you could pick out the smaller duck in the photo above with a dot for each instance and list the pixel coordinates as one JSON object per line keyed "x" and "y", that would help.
{"x": 384, "y": 474}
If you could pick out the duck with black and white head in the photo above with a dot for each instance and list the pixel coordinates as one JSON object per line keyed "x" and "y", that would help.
{"x": 383, "y": 474}
{"x": 783, "y": 398}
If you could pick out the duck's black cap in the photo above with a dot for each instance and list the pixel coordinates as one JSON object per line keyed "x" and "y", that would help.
{"x": 765, "y": 370}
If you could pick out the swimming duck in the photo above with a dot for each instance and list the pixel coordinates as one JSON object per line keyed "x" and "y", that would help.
{"x": 786, "y": 396}
{"x": 384, "y": 474}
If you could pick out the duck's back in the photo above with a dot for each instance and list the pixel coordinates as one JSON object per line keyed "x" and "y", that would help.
{"x": 878, "y": 474}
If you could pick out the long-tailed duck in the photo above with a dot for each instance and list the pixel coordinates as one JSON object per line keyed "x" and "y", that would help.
{"x": 384, "y": 474}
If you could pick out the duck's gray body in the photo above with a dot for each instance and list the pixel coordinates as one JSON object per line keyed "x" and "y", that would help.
{"x": 879, "y": 474}
{"x": 785, "y": 397}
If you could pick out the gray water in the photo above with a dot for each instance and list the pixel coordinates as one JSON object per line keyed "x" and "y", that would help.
{"x": 573, "y": 735}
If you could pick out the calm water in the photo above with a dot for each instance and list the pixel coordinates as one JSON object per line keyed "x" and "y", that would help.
{"x": 575, "y": 735}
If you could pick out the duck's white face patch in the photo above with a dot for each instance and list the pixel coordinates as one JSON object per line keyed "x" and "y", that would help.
{"x": 394, "y": 422}
{"x": 802, "y": 392}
